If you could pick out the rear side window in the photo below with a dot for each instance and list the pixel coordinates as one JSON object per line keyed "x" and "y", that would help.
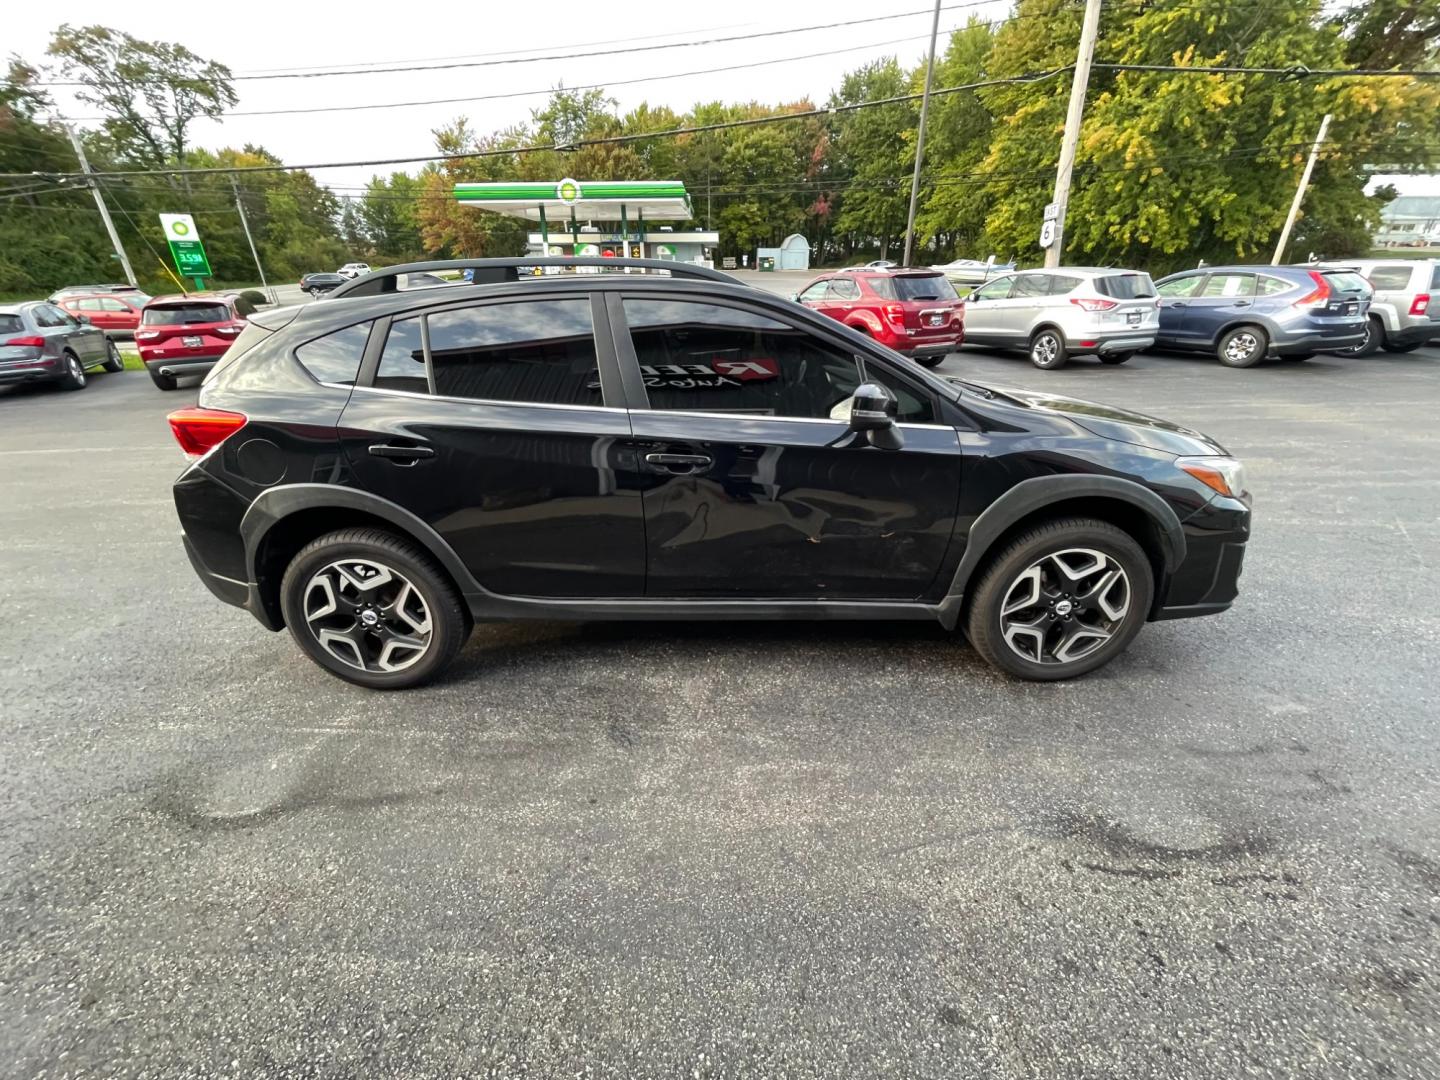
{"x": 1226, "y": 285}
{"x": 46, "y": 315}
{"x": 534, "y": 351}
{"x": 1060, "y": 284}
{"x": 1435, "y": 277}
{"x": 402, "y": 364}
{"x": 1272, "y": 286}
{"x": 10, "y": 324}
{"x": 1126, "y": 286}
{"x": 251, "y": 336}
{"x": 180, "y": 314}
{"x": 335, "y": 358}
{"x": 1391, "y": 277}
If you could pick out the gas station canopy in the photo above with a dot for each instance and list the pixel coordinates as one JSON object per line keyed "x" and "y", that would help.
{"x": 588, "y": 200}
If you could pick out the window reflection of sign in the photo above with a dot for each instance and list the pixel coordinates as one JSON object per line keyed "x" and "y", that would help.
{"x": 715, "y": 374}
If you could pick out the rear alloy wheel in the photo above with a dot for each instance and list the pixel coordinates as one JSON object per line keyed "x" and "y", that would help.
{"x": 1047, "y": 350}
{"x": 1062, "y": 599}
{"x": 1242, "y": 347}
{"x": 114, "y": 362}
{"x": 372, "y": 609}
{"x": 1116, "y": 358}
{"x": 74, "y": 377}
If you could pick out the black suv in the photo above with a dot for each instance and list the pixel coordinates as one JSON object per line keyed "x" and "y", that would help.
{"x": 379, "y": 471}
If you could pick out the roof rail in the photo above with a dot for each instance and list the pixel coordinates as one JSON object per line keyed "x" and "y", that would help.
{"x": 497, "y": 271}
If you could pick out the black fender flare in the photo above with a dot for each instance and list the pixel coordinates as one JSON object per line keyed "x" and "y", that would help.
{"x": 276, "y": 504}
{"x": 1040, "y": 491}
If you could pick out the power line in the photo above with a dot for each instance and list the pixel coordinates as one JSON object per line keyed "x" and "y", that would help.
{"x": 589, "y": 52}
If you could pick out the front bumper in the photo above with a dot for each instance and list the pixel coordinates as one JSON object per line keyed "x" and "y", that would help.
{"x": 1208, "y": 579}
{"x": 1410, "y": 333}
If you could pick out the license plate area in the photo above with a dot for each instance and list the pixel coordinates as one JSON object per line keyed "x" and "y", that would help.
{"x": 1352, "y": 309}
{"x": 1132, "y": 318}
{"x": 192, "y": 341}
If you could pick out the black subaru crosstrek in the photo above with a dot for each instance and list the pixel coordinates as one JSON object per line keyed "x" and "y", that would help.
{"x": 381, "y": 469}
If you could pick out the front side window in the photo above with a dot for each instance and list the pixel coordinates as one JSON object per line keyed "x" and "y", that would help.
{"x": 1228, "y": 285}
{"x": 815, "y": 293}
{"x": 713, "y": 358}
{"x": 49, "y": 316}
{"x": 535, "y": 351}
{"x": 1185, "y": 286}
{"x": 110, "y": 304}
{"x": 994, "y": 290}
{"x": 89, "y": 305}
{"x": 335, "y": 358}
{"x": 844, "y": 289}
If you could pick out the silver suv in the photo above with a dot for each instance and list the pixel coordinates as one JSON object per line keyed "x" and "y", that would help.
{"x": 1067, "y": 311}
{"x": 1405, "y": 312}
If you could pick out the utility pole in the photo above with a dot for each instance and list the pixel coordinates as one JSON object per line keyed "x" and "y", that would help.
{"x": 245, "y": 224}
{"x": 1089, "y": 30}
{"x": 1300, "y": 191}
{"x": 920, "y": 140}
{"x": 94, "y": 186}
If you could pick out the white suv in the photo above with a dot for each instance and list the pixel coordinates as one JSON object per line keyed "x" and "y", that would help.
{"x": 353, "y": 270}
{"x": 1064, "y": 312}
{"x": 1405, "y": 310}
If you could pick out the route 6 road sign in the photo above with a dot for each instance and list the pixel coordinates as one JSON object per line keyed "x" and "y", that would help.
{"x": 1047, "y": 233}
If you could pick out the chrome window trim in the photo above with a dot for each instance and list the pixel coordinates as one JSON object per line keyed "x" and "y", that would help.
{"x": 477, "y": 401}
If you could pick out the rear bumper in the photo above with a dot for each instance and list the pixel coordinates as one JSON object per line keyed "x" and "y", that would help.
{"x": 241, "y": 594}
{"x": 29, "y": 371}
{"x": 187, "y": 365}
{"x": 1317, "y": 342}
{"x": 1107, "y": 342}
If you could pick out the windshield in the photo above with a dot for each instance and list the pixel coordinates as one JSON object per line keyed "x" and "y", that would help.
{"x": 180, "y": 314}
{"x": 915, "y": 287}
{"x": 1126, "y": 286}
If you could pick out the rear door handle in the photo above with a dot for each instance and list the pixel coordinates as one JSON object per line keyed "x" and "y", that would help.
{"x": 405, "y": 455}
{"x": 1242, "y": 303}
{"x": 681, "y": 463}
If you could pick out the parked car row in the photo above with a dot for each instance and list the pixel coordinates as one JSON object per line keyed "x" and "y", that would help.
{"x": 1240, "y": 314}
{"x": 42, "y": 342}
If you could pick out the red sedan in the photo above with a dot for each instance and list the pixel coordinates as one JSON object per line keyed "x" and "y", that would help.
{"x": 915, "y": 312}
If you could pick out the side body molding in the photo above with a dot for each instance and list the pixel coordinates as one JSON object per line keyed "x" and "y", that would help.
{"x": 1040, "y": 491}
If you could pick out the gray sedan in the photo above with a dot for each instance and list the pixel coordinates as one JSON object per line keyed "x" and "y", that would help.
{"x": 41, "y": 342}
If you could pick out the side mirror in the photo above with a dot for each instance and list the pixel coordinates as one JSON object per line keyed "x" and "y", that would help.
{"x": 83, "y": 319}
{"x": 872, "y": 410}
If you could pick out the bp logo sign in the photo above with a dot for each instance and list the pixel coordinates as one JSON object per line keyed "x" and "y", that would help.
{"x": 186, "y": 249}
{"x": 567, "y": 191}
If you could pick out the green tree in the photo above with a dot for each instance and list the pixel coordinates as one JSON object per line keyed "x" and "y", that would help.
{"x": 387, "y": 214}
{"x": 870, "y": 153}
{"x": 149, "y": 91}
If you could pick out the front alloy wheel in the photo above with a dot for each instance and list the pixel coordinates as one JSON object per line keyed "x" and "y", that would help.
{"x": 367, "y": 616}
{"x": 1064, "y": 606}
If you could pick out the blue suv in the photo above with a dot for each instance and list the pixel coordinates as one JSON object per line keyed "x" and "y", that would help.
{"x": 1245, "y": 313}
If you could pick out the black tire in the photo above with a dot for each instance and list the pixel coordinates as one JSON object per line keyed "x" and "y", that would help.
{"x": 74, "y": 377}
{"x": 1116, "y": 358}
{"x": 929, "y": 361}
{"x": 1003, "y": 574}
{"x": 1392, "y": 347}
{"x": 1242, "y": 346}
{"x": 114, "y": 362}
{"x": 449, "y": 622}
{"x": 1047, "y": 349}
{"x": 164, "y": 382}
{"x": 1374, "y": 338}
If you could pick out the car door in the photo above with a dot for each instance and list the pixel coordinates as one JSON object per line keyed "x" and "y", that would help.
{"x": 86, "y": 342}
{"x": 493, "y": 423}
{"x": 816, "y": 296}
{"x": 1175, "y": 294}
{"x": 753, "y": 487}
{"x": 984, "y": 314}
{"x": 1225, "y": 296}
{"x": 1025, "y": 308}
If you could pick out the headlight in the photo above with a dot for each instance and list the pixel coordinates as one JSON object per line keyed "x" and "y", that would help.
{"x": 1222, "y": 474}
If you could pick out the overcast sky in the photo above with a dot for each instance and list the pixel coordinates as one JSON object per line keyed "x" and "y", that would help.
{"x": 261, "y": 36}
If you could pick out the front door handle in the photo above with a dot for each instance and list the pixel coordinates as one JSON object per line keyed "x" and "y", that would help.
{"x": 1242, "y": 303}
{"x": 679, "y": 463}
{"x": 402, "y": 455}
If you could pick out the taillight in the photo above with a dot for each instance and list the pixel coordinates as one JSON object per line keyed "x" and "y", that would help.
{"x": 227, "y": 331}
{"x": 146, "y": 335}
{"x": 27, "y": 342}
{"x": 1093, "y": 305}
{"x": 198, "y": 431}
{"x": 895, "y": 313}
{"x": 1317, "y": 295}
{"x": 1418, "y": 306}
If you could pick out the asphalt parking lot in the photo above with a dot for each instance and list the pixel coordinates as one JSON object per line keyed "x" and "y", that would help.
{"x": 733, "y": 850}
